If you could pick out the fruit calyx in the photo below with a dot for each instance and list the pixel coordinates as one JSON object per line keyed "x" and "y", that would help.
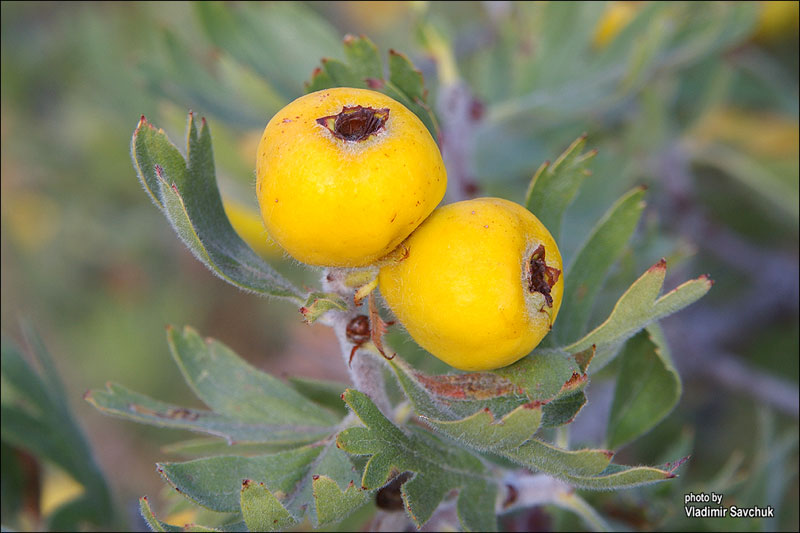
{"x": 356, "y": 123}
{"x": 541, "y": 277}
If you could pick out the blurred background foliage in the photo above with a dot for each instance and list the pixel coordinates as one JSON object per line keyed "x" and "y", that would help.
{"x": 697, "y": 101}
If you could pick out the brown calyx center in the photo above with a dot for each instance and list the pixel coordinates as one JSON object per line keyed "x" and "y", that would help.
{"x": 541, "y": 277}
{"x": 356, "y": 123}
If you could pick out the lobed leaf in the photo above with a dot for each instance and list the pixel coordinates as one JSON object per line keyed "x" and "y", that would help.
{"x": 648, "y": 387}
{"x": 216, "y": 482}
{"x": 553, "y": 187}
{"x": 638, "y": 307}
{"x": 603, "y": 247}
{"x": 364, "y": 69}
{"x": 333, "y": 504}
{"x": 511, "y": 435}
{"x": 261, "y": 510}
{"x": 436, "y": 469}
{"x": 232, "y": 387}
{"x": 186, "y": 191}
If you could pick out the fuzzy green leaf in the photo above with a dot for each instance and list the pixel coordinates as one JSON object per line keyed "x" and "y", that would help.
{"x": 118, "y": 401}
{"x": 553, "y": 187}
{"x": 364, "y": 69}
{"x": 648, "y": 387}
{"x": 563, "y": 408}
{"x": 436, "y": 469}
{"x": 510, "y": 435}
{"x": 637, "y": 308}
{"x": 485, "y": 432}
{"x": 334, "y": 504}
{"x": 334, "y": 464}
{"x": 186, "y": 191}
{"x": 230, "y": 386}
{"x": 363, "y": 57}
{"x": 319, "y": 303}
{"x": 261, "y": 510}
{"x": 617, "y": 477}
{"x": 216, "y": 482}
{"x": 542, "y": 374}
{"x": 152, "y": 522}
{"x": 584, "y": 277}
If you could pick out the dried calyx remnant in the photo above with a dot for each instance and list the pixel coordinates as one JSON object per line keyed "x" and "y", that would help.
{"x": 358, "y": 332}
{"x": 541, "y": 277}
{"x": 356, "y": 123}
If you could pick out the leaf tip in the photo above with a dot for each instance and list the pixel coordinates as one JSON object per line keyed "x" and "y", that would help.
{"x": 661, "y": 266}
{"x": 315, "y": 477}
{"x": 707, "y": 279}
{"x": 609, "y": 454}
{"x": 87, "y": 395}
{"x": 246, "y": 483}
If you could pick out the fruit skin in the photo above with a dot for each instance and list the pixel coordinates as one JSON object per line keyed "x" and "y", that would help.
{"x": 334, "y": 202}
{"x": 462, "y": 289}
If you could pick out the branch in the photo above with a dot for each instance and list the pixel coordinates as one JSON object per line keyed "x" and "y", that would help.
{"x": 366, "y": 370}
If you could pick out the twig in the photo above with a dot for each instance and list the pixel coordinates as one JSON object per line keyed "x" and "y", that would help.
{"x": 366, "y": 370}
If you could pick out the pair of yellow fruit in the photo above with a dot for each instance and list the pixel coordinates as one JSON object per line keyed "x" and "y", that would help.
{"x": 347, "y": 176}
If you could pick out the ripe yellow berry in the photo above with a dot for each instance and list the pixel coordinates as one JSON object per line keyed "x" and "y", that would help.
{"x": 344, "y": 175}
{"x": 478, "y": 284}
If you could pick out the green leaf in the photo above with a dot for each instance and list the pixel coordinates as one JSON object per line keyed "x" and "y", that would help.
{"x": 617, "y": 477}
{"x": 187, "y": 193}
{"x": 510, "y": 435}
{"x": 319, "y": 303}
{"x": 216, "y": 482}
{"x": 648, "y": 387}
{"x": 334, "y": 504}
{"x": 336, "y": 465}
{"x": 364, "y": 69}
{"x": 154, "y": 523}
{"x": 261, "y": 510}
{"x": 542, "y": 374}
{"x": 436, "y": 469}
{"x": 483, "y": 431}
{"x": 118, "y": 401}
{"x": 637, "y": 308}
{"x": 230, "y": 386}
{"x": 563, "y": 408}
{"x": 553, "y": 187}
{"x": 363, "y": 57}
{"x": 595, "y": 258}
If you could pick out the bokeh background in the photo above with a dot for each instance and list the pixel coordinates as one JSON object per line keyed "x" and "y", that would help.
{"x": 697, "y": 101}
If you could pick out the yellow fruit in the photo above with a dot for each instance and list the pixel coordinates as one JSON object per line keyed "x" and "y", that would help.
{"x": 344, "y": 175}
{"x": 478, "y": 284}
